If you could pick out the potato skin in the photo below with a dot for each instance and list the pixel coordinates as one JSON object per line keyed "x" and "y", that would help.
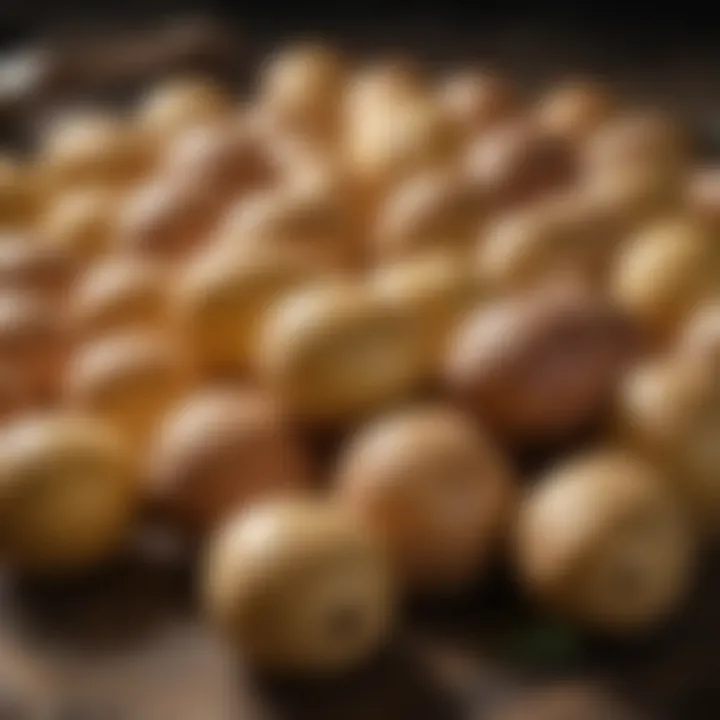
{"x": 540, "y": 367}
{"x": 299, "y": 586}
{"x": 602, "y": 540}
{"x": 434, "y": 488}
{"x": 68, "y": 492}
{"x": 669, "y": 412}
{"x": 219, "y": 450}
{"x": 334, "y": 352}
{"x": 664, "y": 272}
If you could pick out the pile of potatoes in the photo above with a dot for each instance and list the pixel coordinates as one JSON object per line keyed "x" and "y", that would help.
{"x": 440, "y": 273}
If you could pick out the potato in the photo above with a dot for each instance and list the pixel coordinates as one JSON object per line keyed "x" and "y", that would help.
{"x": 574, "y": 110}
{"x": 227, "y": 159}
{"x": 301, "y": 88}
{"x": 93, "y": 149}
{"x": 28, "y": 265}
{"x": 435, "y": 290}
{"x": 389, "y": 140}
{"x": 540, "y": 367}
{"x": 179, "y": 104}
{"x": 437, "y": 209}
{"x": 477, "y": 101}
{"x": 703, "y": 193}
{"x": 601, "y": 540}
{"x": 434, "y": 488}
{"x": 555, "y": 236}
{"x": 130, "y": 380}
{"x": 80, "y": 223}
{"x": 516, "y": 162}
{"x": 68, "y": 492}
{"x": 664, "y": 271}
{"x": 13, "y": 391}
{"x": 166, "y": 219}
{"x": 299, "y": 586}
{"x": 220, "y": 300}
{"x": 333, "y": 351}
{"x": 218, "y": 451}
{"x": 118, "y": 292}
{"x": 306, "y": 219}
{"x": 670, "y": 411}
{"x": 33, "y": 345}
{"x": 638, "y": 139}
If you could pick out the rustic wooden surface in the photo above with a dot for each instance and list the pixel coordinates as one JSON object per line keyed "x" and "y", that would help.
{"x": 127, "y": 644}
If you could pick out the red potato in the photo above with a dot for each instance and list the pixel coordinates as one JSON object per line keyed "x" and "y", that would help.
{"x": 540, "y": 367}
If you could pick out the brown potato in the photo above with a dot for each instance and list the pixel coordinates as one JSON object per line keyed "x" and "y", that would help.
{"x": 574, "y": 110}
{"x": 435, "y": 290}
{"x": 301, "y": 88}
{"x": 434, "y": 488}
{"x": 81, "y": 222}
{"x": 118, "y": 292}
{"x": 436, "y": 209}
{"x": 671, "y": 412}
{"x": 540, "y": 367}
{"x": 166, "y": 219}
{"x": 93, "y": 149}
{"x": 180, "y": 104}
{"x": 333, "y": 351}
{"x": 665, "y": 271}
{"x": 221, "y": 298}
{"x": 299, "y": 586}
{"x": 33, "y": 345}
{"x": 226, "y": 158}
{"x": 603, "y": 541}
{"x": 516, "y": 162}
{"x": 302, "y": 219}
{"x": 477, "y": 101}
{"x": 219, "y": 450}
{"x": 68, "y": 492}
{"x": 130, "y": 380}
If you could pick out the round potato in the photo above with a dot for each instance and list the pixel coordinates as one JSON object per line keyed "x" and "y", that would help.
{"x": 602, "y": 540}
{"x": 540, "y": 367}
{"x": 219, "y": 450}
{"x": 130, "y": 380}
{"x": 434, "y": 488}
{"x": 300, "y": 586}
{"x": 333, "y": 351}
{"x": 68, "y": 492}
{"x": 118, "y": 292}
